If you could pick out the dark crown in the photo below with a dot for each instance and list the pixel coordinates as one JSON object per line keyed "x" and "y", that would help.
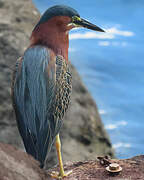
{"x": 59, "y": 10}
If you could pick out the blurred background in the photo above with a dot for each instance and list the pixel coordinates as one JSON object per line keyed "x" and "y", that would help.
{"x": 111, "y": 65}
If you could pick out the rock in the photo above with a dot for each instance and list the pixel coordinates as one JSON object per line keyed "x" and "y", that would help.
{"x": 83, "y": 134}
{"x": 132, "y": 169}
{"x": 18, "y": 165}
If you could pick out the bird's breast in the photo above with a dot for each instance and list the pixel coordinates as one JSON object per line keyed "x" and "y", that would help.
{"x": 63, "y": 87}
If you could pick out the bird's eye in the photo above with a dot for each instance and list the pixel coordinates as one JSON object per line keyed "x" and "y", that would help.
{"x": 76, "y": 18}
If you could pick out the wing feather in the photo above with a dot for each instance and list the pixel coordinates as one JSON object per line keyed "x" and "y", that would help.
{"x": 34, "y": 89}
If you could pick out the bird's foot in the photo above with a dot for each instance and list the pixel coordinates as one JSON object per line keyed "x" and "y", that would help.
{"x": 57, "y": 175}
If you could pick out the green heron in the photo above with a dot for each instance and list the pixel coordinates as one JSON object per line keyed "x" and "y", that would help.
{"x": 42, "y": 84}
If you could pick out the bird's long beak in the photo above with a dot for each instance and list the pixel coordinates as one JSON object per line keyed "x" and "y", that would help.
{"x": 89, "y": 25}
{"x": 79, "y": 22}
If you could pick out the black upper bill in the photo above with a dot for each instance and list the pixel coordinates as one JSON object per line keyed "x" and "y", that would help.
{"x": 88, "y": 25}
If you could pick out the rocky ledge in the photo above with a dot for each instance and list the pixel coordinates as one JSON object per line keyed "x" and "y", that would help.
{"x": 17, "y": 165}
{"x": 83, "y": 129}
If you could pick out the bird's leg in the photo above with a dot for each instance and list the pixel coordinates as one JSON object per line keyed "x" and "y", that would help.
{"x": 58, "y": 148}
{"x": 61, "y": 172}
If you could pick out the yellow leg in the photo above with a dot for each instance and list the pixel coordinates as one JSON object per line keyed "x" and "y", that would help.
{"x": 61, "y": 172}
{"x": 58, "y": 148}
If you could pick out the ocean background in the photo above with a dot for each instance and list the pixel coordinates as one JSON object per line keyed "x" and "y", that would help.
{"x": 111, "y": 65}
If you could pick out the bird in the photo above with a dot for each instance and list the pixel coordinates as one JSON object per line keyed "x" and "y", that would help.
{"x": 42, "y": 82}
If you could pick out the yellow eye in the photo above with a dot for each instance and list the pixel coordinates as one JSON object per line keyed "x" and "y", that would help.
{"x": 76, "y": 18}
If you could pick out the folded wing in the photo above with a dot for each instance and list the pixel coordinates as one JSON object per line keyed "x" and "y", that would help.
{"x": 33, "y": 94}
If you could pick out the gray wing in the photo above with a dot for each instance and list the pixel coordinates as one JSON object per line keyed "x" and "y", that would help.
{"x": 34, "y": 89}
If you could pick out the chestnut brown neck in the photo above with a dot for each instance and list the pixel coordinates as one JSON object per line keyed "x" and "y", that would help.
{"x": 48, "y": 34}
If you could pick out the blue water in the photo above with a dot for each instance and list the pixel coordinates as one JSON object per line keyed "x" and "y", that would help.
{"x": 112, "y": 66}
